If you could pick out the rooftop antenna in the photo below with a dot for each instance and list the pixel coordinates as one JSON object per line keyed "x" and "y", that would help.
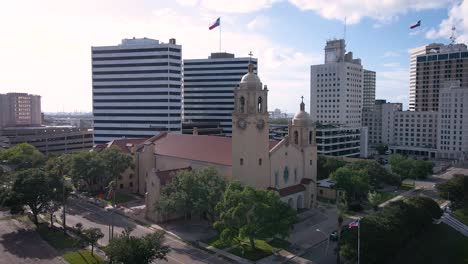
{"x": 452, "y": 37}
{"x": 344, "y": 30}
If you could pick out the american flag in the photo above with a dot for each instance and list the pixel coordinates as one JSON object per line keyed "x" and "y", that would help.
{"x": 355, "y": 223}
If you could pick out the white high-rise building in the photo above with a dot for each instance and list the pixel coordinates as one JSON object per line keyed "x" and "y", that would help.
{"x": 336, "y": 94}
{"x": 136, "y": 89}
{"x": 337, "y": 87}
{"x": 208, "y": 90}
{"x": 368, "y": 91}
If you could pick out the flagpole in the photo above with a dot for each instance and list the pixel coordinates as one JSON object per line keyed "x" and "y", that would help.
{"x": 359, "y": 242}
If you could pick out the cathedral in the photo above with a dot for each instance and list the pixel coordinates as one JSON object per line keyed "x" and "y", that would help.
{"x": 288, "y": 167}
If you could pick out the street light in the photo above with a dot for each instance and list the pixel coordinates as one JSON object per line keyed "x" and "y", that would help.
{"x": 328, "y": 240}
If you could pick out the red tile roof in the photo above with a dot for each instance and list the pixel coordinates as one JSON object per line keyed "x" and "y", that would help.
{"x": 166, "y": 176}
{"x": 306, "y": 180}
{"x": 289, "y": 190}
{"x": 126, "y": 144}
{"x": 212, "y": 149}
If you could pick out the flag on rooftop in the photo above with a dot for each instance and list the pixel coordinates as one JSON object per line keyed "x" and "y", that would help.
{"x": 216, "y": 23}
{"x": 416, "y": 25}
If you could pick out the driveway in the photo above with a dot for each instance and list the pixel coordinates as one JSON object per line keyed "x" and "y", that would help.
{"x": 18, "y": 244}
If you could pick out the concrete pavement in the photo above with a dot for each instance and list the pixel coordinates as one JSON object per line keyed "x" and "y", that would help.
{"x": 93, "y": 216}
{"x": 19, "y": 244}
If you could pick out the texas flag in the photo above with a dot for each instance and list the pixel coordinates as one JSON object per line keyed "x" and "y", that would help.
{"x": 416, "y": 25}
{"x": 216, "y": 23}
{"x": 355, "y": 223}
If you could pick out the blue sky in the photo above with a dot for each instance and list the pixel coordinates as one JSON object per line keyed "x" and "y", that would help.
{"x": 46, "y": 48}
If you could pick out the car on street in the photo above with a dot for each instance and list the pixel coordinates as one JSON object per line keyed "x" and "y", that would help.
{"x": 334, "y": 236}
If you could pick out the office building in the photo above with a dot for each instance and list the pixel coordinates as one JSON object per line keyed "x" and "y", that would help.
{"x": 208, "y": 90}
{"x": 368, "y": 91}
{"x": 20, "y": 109}
{"x": 336, "y": 87}
{"x": 430, "y": 66}
{"x": 452, "y": 139}
{"x": 136, "y": 89}
{"x": 336, "y": 94}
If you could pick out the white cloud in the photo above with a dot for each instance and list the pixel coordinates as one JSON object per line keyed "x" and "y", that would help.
{"x": 48, "y": 52}
{"x": 458, "y": 17}
{"x": 259, "y": 23}
{"x": 237, "y": 6}
{"x": 384, "y": 11}
{"x": 392, "y": 64}
{"x": 389, "y": 54}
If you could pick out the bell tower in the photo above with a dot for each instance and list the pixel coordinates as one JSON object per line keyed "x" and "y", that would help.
{"x": 250, "y": 132}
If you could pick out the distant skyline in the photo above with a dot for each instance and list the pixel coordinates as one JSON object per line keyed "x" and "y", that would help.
{"x": 46, "y": 45}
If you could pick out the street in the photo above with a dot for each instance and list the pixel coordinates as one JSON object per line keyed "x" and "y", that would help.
{"x": 93, "y": 216}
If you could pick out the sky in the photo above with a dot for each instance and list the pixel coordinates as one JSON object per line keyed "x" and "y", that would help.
{"x": 45, "y": 46}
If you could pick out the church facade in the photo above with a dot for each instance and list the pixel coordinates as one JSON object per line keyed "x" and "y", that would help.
{"x": 288, "y": 167}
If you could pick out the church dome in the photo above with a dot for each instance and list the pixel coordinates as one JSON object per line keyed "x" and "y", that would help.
{"x": 301, "y": 117}
{"x": 250, "y": 80}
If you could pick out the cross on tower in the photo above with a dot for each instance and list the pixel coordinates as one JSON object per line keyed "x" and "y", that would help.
{"x": 250, "y": 55}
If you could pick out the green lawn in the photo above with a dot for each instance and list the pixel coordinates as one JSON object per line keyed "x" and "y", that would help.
{"x": 387, "y": 196}
{"x": 217, "y": 243}
{"x": 406, "y": 187}
{"x": 120, "y": 198}
{"x": 462, "y": 214}
{"x": 83, "y": 257}
{"x": 57, "y": 238}
{"x": 438, "y": 244}
{"x": 263, "y": 249}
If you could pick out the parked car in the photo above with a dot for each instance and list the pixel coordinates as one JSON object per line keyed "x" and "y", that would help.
{"x": 334, "y": 236}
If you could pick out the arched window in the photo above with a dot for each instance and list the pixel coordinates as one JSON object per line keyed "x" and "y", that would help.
{"x": 259, "y": 104}
{"x": 242, "y": 104}
{"x": 310, "y": 137}
{"x": 241, "y": 161}
{"x": 295, "y": 174}
{"x": 296, "y": 137}
{"x": 286, "y": 174}
{"x": 299, "y": 202}
{"x": 276, "y": 179}
{"x": 260, "y": 162}
{"x": 290, "y": 202}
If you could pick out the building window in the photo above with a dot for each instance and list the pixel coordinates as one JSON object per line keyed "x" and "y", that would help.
{"x": 310, "y": 137}
{"x": 241, "y": 161}
{"x": 276, "y": 179}
{"x": 310, "y": 162}
{"x": 295, "y": 174}
{"x": 259, "y": 104}
{"x": 121, "y": 186}
{"x": 260, "y": 162}
{"x": 131, "y": 176}
{"x": 131, "y": 184}
{"x": 120, "y": 177}
{"x": 242, "y": 104}
{"x": 321, "y": 192}
{"x": 296, "y": 137}
{"x": 286, "y": 174}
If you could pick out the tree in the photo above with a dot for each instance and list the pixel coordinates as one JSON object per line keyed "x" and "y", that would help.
{"x": 24, "y": 156}
{"x": 91, "y": 236}
{"x": 126, "y": 249}
{"x": 455, "y": 189}
{"x": 378, "y": 175}
{"x": 421, "y": 169}
{"x": 32, "y": 188}
{"x": 190, "y": 192}
{"x": 115, "y": 163}
{"x": 385, "y": 232}
{"x": 327, "y": 165}
{"x": 381, "y": 148}
{"x": 355, "y": 183}
{"x": 410, "y": 168}
{"x": 59, "y": 166}
{"x": 249, "y": 213}
{"x": 375, "y": 199}
{"x": 88, "y": 168}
